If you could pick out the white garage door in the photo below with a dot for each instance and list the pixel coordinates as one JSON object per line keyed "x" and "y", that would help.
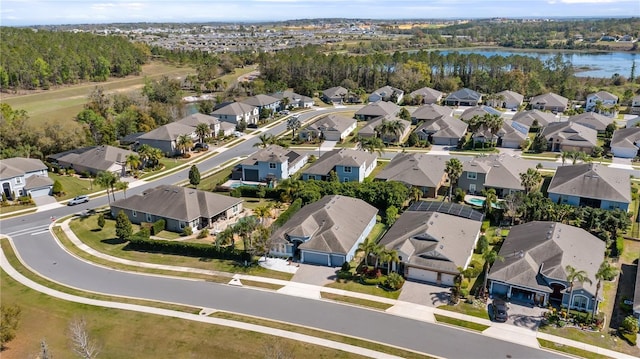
{"x": 39, "y": 192}
{"x": 422, "y": 275}
{"x": 447, "y": 279}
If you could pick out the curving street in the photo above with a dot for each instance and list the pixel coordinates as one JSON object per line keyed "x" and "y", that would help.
{"x": 40, "y": 251}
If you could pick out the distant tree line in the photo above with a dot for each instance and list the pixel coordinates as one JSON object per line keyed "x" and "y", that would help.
{"x": 41, "y": 59}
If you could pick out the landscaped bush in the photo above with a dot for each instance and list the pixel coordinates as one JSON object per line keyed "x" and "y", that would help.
{"x": 483, "y": 244}
{"x": 619, "y": 246}
{"x": 255, "y": 192}
{"x": 346, "y": 267}
{"x": 371, "y": 281}
{"x": 284, "y": 217}
{"x": 203, "y": 233}
{"x": 158, "y": 226}
{"x": 187, "y": 231}
{"x": 485, "y": 226}
{"x": 182, "y": 248}
{"x": 630, "y": 324}
{"x": 143, "y": 233}
{"x": 394, "y": 281}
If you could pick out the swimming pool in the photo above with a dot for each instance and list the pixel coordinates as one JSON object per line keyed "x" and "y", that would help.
{"x": 240, "y": 184}
{"x": 475, "y": 201}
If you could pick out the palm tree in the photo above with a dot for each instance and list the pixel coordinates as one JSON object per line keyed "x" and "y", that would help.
{"x": 293, "y": 124}
{"x": 265, "y": 140}
{"x": 122, "y": 186}
{"x": 388, "y": 129}
{"x": 564, "y": 155}
{"x": 490, "y": 199}
{"x": 225, "y": 237}
{"x": 606, "y": 271}
{"x": 184, "y": 143}
{"x": 243, "y": 228}
{"x": 285, "y": 102}
{"x": 489, "y": 256}
{"x": 154, "y": 155}
{"x": 372, "y": 144}
{"x": 388, "y": 256}
{"x": 530, "y": 180}
{"x": 494, "y": 123}
{"x": 262, "y": 212}
{"x": 415, "y": 193}
{"x": 107, "y": 180}
{"x": 367, "y": 247}
{"x": 453, "y": 168}
{"x": 133, "y": 161}
{"x": 574, "y": 275}
{"x": 289, "y": 188}
{"x": 143, "y": 153}
{"x": 203, "y": 131}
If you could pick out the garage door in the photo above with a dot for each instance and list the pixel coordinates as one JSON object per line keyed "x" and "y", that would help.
{"x": 447, "y": 279}
{"x": 40, "y": 192}
{"x": 315, "y": 258}
{"x": 251, "y": 175}
{"x": 422, "y": 275}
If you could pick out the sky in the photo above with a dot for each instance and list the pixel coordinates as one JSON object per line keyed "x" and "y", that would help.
{"x": 53, "y": 12}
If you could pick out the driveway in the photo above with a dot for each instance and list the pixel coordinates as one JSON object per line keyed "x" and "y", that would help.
{"x": 424, "y": 294}
{"x": 328, "y": 145}
{"x": 316, "y": 275}
{"x": 524, "y": 315}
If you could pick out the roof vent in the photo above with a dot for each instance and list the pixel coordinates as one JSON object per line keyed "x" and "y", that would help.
{"x": 431, "y": 223}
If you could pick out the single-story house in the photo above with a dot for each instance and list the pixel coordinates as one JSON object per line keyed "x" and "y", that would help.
{"x": 535, "y": 257}
{"x": 570, "y": 136}
{"x": 463, "y": 97}
{"x": 21, "y": 176}
{"x": 377, "y": 109}
{"x": 331, "y": 127}
{"x": 263, "y": 102}
{"x": 591, "y": 185}
{"x": 165, "y": 137}
{"x": 326, "y": 232}
{"x": 180, "y": 207}
{"x": 626, "y": 142}
{"x": 294, "y": 100}
{"x": 506, "y": 99}
{"x": 419, "y": 170}
{"x": 511, "y": 135}
{"x": 94, "y": 159}
{"x": 269, "y": 164}
{"x": 602, "y": 102}
{"x": 592, "y": 120}
{"x": 635, "y": 105}
{"x": 387, "y": 93}
{"x": 369, "y": 130}
{"x": 335, "y": 95}
{"x": 534, "y": 118}
{"x": 479, "y": 111}
{"x": 235, "y": 112}
{"x": 500, "y": 172}
{"x": 427, "y": 95}
{"x": 349, "y": 165}
{"x": 446, "y": 130}
{"x": 432, "y": 246}
{"x": 549, "y": 102}
{"x": 430, "y": 112}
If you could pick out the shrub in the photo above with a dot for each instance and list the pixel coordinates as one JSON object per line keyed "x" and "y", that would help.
{"x": 143, "y": 233}
{"x": 464, "y": 292}
{"x": 394, "y": 281}
{"x": 182, "y": 248}
{"x": 631, "y": 338}
{"x": 473, "y": 272}
{"x": 485, "y": 226}
{"x": 483, "y": 244}
{"x": 71, "y": 172}
{"x": 187, "y": 231}
{"x": 124, "y": 230}
{"x": 57, "y": 188}
{"x": 619, "y": 246}
{"x": 346, "y": 267}
{"x": 203, "y": 233}
{"x": 475, "y": 264}
{"x": 158, "y": 226}
{"x": 236, "y": 193}
{"x": 630, "y": 324}
{"x": 101, "y": 221}
{"x": 284, "y": 217}
{"x": 344, "y": 275}
{"x": 458, "y": 195}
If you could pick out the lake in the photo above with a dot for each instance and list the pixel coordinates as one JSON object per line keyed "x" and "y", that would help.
{"x": 599, "y": 64}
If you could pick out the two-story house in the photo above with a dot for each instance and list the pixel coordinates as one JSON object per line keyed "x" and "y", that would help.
{"x": 263, "y": 102}
{"x": 499, "y": 172}
{"x": 236, "y": 112}
{"x": 21, "y": 176}
{"x": 602, "y": 102}
{"x": 387, "y": 93}
{"x": 349, "y": 166}
{"x": 272, "y": 163}
{"x": 165, "y": 137}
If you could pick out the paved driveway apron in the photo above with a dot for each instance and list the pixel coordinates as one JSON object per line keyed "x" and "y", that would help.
{"x": 316, "y": 275}
{"x": 424, "y": 294}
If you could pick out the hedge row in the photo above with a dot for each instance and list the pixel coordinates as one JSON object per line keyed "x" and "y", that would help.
{"x": 137, "y": 243}
{"x": 158, "y": 226}
{"x": 252, "y": 192}
{"x": 284, "y": 217}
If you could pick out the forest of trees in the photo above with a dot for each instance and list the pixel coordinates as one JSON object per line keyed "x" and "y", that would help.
{"x": 41, "y": 59}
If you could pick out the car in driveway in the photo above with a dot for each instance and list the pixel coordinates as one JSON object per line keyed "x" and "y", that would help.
{"x": 78, "y": 200}
{"x": 200, "y": 147}
{"x": 500, "y": 309}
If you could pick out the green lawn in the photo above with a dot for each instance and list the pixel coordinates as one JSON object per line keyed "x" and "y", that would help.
{"x": 168, "y": 235}
{"x": 469, "y": 309}
{"x": 146, "y": 335}
{"x": 366, "y": 289}
{"x": 74, "y": 186}
{"x": 379, "y": 167}
{"x": 356, "y": 301}
{"x": 599, "y": 339}
{"x": 570, "y": 350}
{"x": 209, "y": 183}
{"x": 17, "y": 207}
{"x": 377, "y": 232}
{"x": 105, "y": 241}
{"x": 461, "y": 323}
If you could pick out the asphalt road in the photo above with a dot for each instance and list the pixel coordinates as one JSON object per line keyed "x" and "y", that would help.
{"x": 41, "y": 253}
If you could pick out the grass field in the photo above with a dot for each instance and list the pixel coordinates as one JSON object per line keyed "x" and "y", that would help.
{"x": 62, "y": 104}
{"x": 127, "y": 334}
{"x": 461, "y": 323}
{"x": 366, "y": 289}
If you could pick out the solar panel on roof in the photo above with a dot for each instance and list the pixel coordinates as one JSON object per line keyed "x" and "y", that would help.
{"x": 453, "y": 209}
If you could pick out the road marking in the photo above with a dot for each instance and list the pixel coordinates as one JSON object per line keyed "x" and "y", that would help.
{"x": 28, "y": 231}
{"x": 41, "y": 232}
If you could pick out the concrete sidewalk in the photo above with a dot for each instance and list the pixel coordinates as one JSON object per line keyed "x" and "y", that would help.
{"x": 502, "y": 331}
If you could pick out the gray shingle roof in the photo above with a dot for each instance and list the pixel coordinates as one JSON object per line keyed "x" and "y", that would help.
{"x": 626, "y": 137}
{"x": 234, "y": 109}
{"x": 18, "y": 166}
{"x": 260, "y": 100}
{"x": 431, "y": 112}
{"x": 415, "y": 169}
{"x": 427, "y": 93}
{"x": 513, "y": 131}
{"x": 444, "y": 127}
{"x": 380, "y": 108}
{"x": 333, "y": 123}
{"x": 501, "y": 171}
{"x": 179, "y": 203}
{"x": 37, "y": 181}
{"x": 197, "y": 118}
{"x": 97, "y": 157}
{"x": 433, "y": 240}
{"x": 511, "y": 96}
{"x": 604, "y": 95}
{"x": 550, "y": 100}
{"x": 370, "y": 128}
{"x": 571, "y": 133}
{"x": 592, "y": 120}
{"x": 340, "y": 157}
{"x": 464, "y": 94}
{"x": 168, "y": 132}
{"x": 547, "y": 247}
{"x": 337, "y": 91}
{"x": 334, "y": 224}
{"x": 480, "y": 111}
{"x": 592, "y": 180}
{"x": 273, "y": 153}
{"x": 527, "y": 117}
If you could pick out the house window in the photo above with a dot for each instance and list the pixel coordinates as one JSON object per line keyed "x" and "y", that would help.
{"x": 472, "y": 175}
{"x": 347, "y": 169}
{"x": 472, "y": 188}
{"x": 272, "y": 165}
{"x": 182, "y": 224}
{"x": 148, "y": 217}
{"x": 134, "y": 213}
{"x": 580, "y": 302}
{"x": 345, "y": 179}
{"x": 311, "y": 177}
{"x": 18, "y": 180}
